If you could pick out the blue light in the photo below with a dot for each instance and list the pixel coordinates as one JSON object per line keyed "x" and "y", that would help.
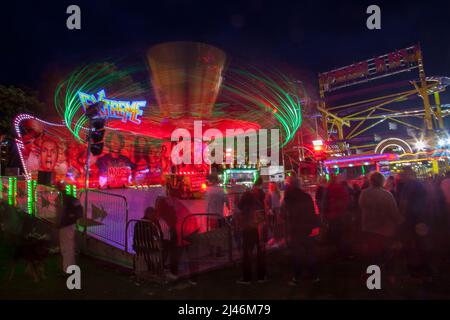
{"x": 123, "y": 110}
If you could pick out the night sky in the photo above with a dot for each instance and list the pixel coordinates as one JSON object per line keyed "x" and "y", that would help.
{"x": 311, "y": 36}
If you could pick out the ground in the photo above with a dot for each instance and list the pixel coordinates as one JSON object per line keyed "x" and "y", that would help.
{"x": 339, "y": 280}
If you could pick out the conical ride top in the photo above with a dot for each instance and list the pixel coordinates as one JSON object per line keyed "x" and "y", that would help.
{"x": 186, "y": 77}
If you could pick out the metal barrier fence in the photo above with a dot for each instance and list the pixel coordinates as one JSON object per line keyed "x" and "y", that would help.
{"x": 8, "y": 189}
{"x": 22, "y": 195}
{"x": 207, "y": 235}
{"x": 147, "y": 249}
{"x": 46, "y": 205}
{"x": 4, "y": 188}
{"x": 106, "y": 216}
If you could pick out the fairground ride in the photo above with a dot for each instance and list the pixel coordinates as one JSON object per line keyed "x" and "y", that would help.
{"x": 363, "y": 111}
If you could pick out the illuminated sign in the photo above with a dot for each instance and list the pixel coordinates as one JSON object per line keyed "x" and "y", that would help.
{"x": 371, "y": 69}
{"x": 123, "y": 110}
{"x": 318, "y": 144}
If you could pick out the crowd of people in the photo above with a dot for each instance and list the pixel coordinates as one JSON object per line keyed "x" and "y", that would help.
{"x": 268, "y": 218}
{"x": 400, "y": 224}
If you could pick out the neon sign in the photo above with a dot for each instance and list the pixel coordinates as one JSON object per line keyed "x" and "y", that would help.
{"x": 124, "y": 110}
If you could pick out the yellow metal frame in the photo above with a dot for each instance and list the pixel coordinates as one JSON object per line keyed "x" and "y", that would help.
{"x": 357, "y": 120}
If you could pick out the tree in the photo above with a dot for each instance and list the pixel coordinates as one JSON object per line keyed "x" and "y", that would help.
{"x": 14, "y": 101}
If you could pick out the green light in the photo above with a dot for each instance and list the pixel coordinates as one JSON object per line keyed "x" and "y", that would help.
{"x": 256, "y": 176}
{"x": 12, "y": 191}
{"x": 30, "y": 196}
{"x": 226, "y": 177}
{"x": 92, "y": 78}
{"x": 267, "y": 91}
{"x": 71, "y": 190}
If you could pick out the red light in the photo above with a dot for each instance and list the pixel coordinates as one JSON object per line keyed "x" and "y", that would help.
{"x": 317, "y": 145}
{"x": 317, "y": 148}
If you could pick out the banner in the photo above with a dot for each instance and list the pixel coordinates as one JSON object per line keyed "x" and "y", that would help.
{"x": 375, "y": 68}
{"x": 127, "y": 159}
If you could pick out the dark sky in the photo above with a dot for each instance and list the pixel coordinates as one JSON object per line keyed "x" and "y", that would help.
{"x": 308, "y": 35}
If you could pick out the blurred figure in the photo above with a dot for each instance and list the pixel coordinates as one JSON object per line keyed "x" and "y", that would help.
{"x": 301, "y": 220}
{"x": 437, "y": 217}
{"x": 389, "y": 185}
{"x": 251, "y": 208}
{"x": 412, "y": 203}
{"x": 259, "y": 194}
{"x": 216, "y": 199}
{"x": 167, "y": 213}
{"x": 355, "y": 211}
{"x": 147, "y": 238}
{"x": 273, "y": 204}
{"x": 69, "y": 211}
{"x": 380, "y": 219}
{"x": 336, "y": 215}
{"x": 24, "y": 244}
{"x": 365, "y": 183}
{"x": 320, "y": 195}
{"x": 445, "y": 187}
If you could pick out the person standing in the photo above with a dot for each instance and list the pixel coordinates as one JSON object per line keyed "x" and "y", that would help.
{"x": 148, "y": 243}
{"x": 445, "y": 187}
{"x": 250, "y": 206}
{"x": 320, "y": 196}
{"x": 336, "y": 214}
{"x": 69, "y": 211}
{"x": 412, "y": 197}
{"x": 216, "y": 199}
{"x": 167, "y": 213}
{"x": 389, "y": 185}
{"x": 273, "y": 205}
{"x": 380, "y": 219}
{"x": 298, "y": 207}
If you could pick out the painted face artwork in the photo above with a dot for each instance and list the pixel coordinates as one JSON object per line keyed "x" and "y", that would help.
{"x": 115, "y": 143}
{"x": 47, "y": 147}
{"x": 49, "y": 155}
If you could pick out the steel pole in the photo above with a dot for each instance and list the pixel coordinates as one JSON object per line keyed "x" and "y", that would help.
{"x": 86, "y": 186}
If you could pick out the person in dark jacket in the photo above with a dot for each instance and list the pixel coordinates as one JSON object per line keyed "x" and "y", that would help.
{"x": 337, "y": 215}
{"x": 167, "y": 213}
{"x": 250, "y": 206}
{"x": 148, "y": 242}
{"x": 70, "y": 210}
{"x": 298, "y": 207}
{"x": 412, "y": 197}
{"x": 320, "y": 196}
